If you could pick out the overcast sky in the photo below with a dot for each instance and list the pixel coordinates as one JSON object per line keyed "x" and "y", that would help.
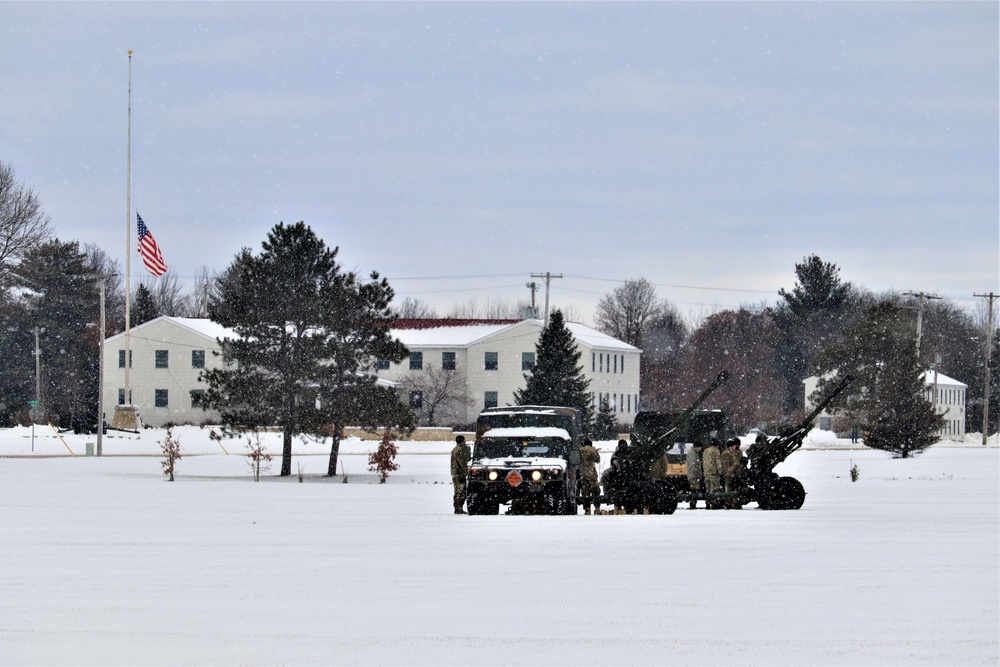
{"x": 458, "y": 147}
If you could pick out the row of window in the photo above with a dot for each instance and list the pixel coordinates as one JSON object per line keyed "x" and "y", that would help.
{"x": 952, "y": 427}
{"x": 946, "y": 396}
{"x": 161, "y": 359}
{"x": 618, "y": 402}
{"x": 491, "y": 361}
{"x": 607, "y": 363}
{"x": 161, "y": 398}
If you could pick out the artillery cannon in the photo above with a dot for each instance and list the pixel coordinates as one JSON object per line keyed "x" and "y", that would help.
{"x": 627, "y": 483}
{"x": 760, "y": 482}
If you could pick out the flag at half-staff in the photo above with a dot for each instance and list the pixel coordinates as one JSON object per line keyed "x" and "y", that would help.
{"x": 150, "y": 252}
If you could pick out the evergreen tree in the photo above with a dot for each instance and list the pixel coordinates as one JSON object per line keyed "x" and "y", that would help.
{"x": 811, "y": 317}
{"x": 143, "y": 308}
{"x": 889, "y": 397}
{"x": 61, "y": 299}
{"x": 308, "y": 336}
{"x": 557, "y": 377}
{"x": 606, "y": 422}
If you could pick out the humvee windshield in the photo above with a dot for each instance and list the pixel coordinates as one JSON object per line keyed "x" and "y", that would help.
{"x": 498, "y": 448}
{"x": 520, "y": 419}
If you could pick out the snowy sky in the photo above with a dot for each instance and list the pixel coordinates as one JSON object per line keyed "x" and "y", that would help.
{"x": 458, "y": 148}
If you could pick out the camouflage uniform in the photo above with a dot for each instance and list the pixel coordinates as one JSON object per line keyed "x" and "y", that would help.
{"x": 712, "y": 468}
{"x": 461, "y": 454}
{"x": 589, "y": 487}
{"x": 730, "y": 463}
{"x": 658, "y": 468}
{"x": 694, "y": 471}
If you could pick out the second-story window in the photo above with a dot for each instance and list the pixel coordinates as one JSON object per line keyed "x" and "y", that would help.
{"x": 416, "y": 361}
{"x": 492, "y": 361}
{"x": 162, "y": 358}
{"x": 448, "y": 361}
{"x": 197, "y": 358}
{"x": 527, "y": 361}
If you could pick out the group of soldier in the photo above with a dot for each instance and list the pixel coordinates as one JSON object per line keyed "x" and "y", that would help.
{"x": 713, "y": 467}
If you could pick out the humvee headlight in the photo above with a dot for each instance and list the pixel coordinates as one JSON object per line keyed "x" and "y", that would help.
{"x": 493, "y": 475}
{"x": 536, "y": 475}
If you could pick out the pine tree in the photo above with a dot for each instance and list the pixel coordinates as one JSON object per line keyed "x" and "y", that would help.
{"x": 144, "y": 307}
{"x": 308, "y": 336}
{"x": 557, "y": 377}
{"x": 605, "y": 423}
{"x": 888, "y": 400}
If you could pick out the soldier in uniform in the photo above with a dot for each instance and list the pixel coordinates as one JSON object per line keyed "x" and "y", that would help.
{"x": 460, "y": 456}
{"x": 694, "y": 471}
{"x": 712, "y": 469}
{"x": 730, "y": 463}
{"x": 589, "y": 487}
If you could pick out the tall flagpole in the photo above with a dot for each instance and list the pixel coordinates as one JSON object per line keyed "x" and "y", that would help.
{"x": 128, "y": 241}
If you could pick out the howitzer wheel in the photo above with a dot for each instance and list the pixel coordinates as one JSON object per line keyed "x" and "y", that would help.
{"x": 784, "y": 493}
{"x": 663, "y": 499}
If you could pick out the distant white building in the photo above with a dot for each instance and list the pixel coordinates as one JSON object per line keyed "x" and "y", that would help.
{"x": 946, "y": 394}
{"x": 495, "y": 355}
{"x": 169, "y": 354}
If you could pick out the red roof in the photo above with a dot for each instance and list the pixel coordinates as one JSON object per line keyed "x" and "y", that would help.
{"x": 434, "y": 323}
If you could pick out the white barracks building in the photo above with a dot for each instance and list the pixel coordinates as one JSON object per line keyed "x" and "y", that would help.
{"x": 169, "y": 354}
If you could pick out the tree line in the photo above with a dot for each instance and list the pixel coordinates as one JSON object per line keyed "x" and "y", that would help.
{"x": 823, "y": 326}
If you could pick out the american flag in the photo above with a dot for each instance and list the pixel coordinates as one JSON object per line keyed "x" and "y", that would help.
{"x": 150, "y": 252}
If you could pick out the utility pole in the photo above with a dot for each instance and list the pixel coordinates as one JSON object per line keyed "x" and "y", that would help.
{"x": 986, "y": 371}
{"x": 548, "y": 281}
{"x": 920, "y": 312}
{"x": 533, "y": 286}
{"x": 100, "y": 374}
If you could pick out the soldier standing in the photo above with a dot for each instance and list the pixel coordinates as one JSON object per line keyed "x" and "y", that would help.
{"x": 460, "y": 456}
{"x": 694, "y": 471}
{"x": 730, "y": 463}
{"x": 712, "y": 468}
{"x": 589, "y": 487}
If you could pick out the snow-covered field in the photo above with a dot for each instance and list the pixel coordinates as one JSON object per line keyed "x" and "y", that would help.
{"x": 104, "y": 562}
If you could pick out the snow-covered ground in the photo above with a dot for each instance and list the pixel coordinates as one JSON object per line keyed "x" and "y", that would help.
{"x": 104, "y": 562}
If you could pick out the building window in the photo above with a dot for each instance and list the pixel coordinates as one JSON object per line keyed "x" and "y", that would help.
{"x": 197, "y": 358}
{"x": 160, "y": 398}
{"x": 121, "y": 358}
{"x": 162, "y": 357}
{"x": 416, "y": 400}
{"x": 616, "y": 363}
{"x": 381, "y": 364}
{"x": 492, "y": 361}
{"x": 527, "y": 361}
{"x": 593, "y": 362}
{"x": 623, "y": 363}
{"x": 600, "y": 366}
{"x": 416, "y": 361}
{"x": 121, "y": 397}
{"x": 490, "y": 399}
{"x": 448, "y": 361}
{"x": 197, "y": 398}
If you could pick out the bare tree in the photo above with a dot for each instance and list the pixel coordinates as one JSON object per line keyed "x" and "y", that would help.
{"x": 624, "y": 312}
{"x": 23, "y": 224}
{"x": 415, "y": 309}
{"x": 99, "y": 263}
{"x": 437, "y": 395}
{"x": 166, "y": 291}
{"x": 197, "y": 300}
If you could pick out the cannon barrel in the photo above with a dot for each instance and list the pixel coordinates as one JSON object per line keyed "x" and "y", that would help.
{"x": 653, "y": 448}
{"x": 764, "y": 457}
